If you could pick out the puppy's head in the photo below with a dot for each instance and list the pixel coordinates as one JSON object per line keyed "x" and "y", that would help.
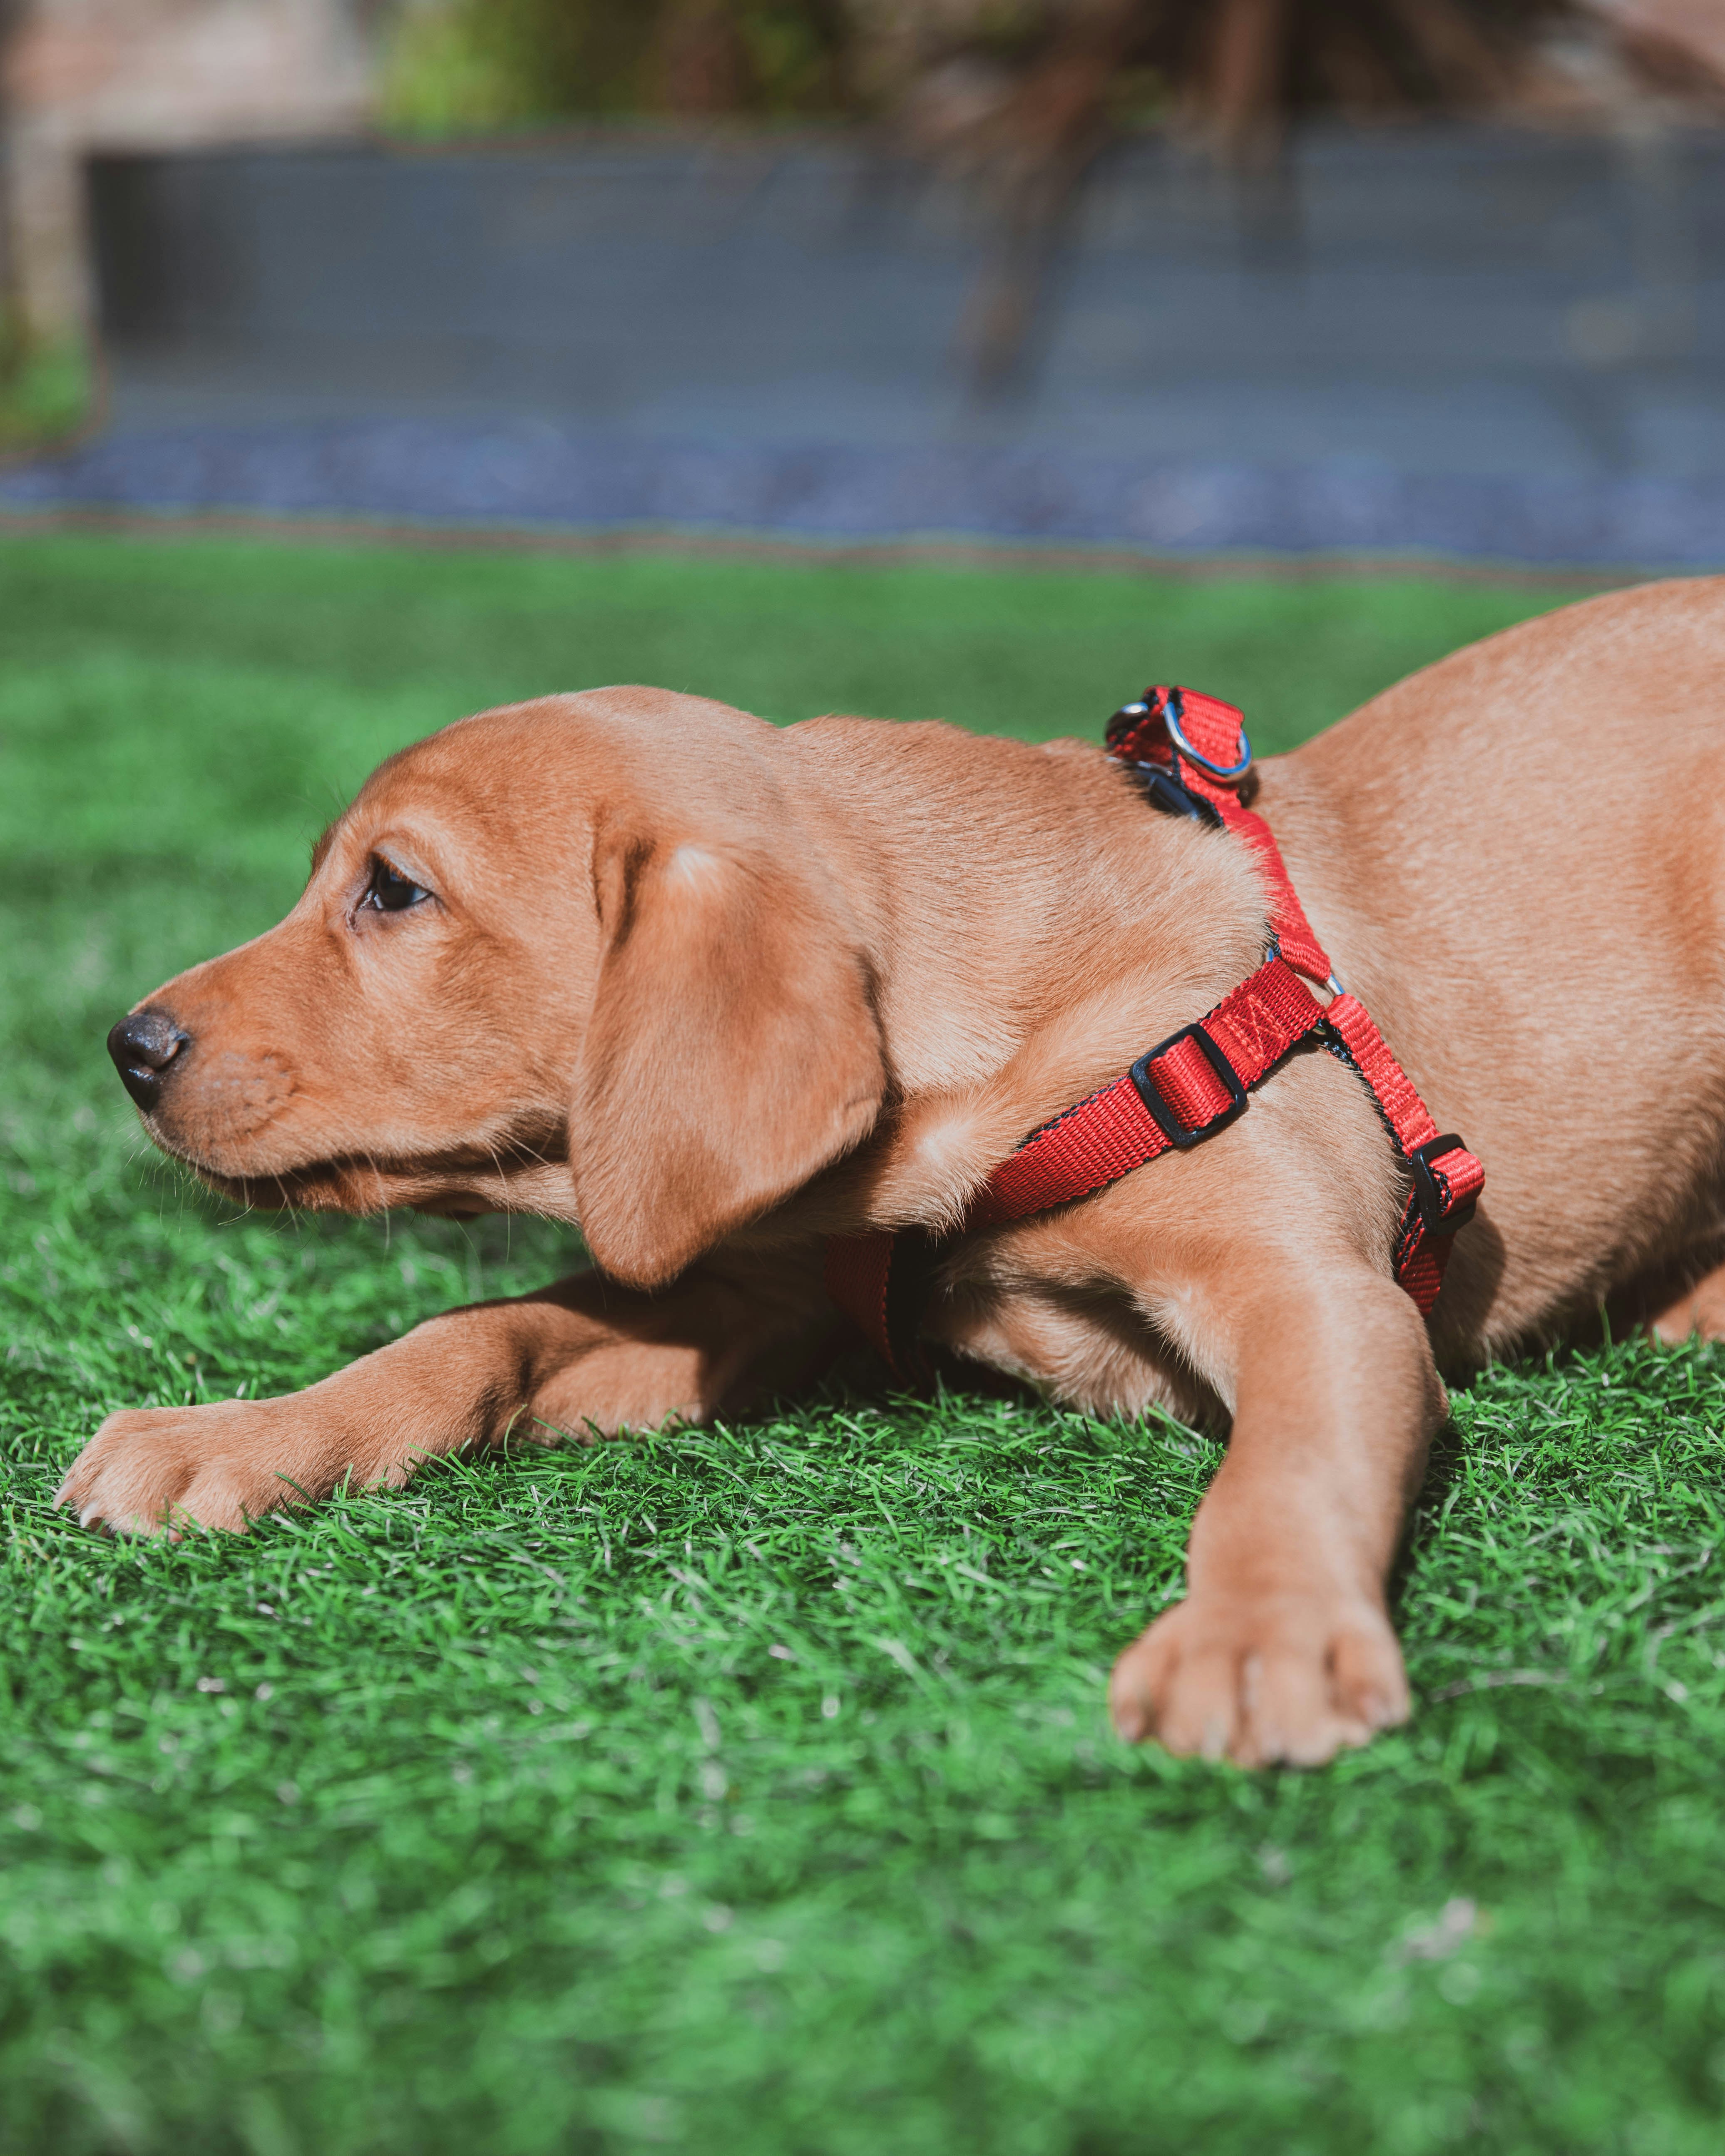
{"x": 577, "y": 957}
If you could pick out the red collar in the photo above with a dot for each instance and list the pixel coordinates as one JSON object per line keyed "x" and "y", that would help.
{"x": 1190, "y": 754}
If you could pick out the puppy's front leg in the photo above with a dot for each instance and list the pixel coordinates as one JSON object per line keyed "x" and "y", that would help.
{"x": 582, "y": 1354}
{"x": 1282, "y": 1649}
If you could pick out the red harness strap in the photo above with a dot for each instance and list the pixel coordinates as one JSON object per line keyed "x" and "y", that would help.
{"x": 1190, "y": 751}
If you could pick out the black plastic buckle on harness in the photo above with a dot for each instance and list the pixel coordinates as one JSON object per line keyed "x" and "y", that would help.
{"x": 1163, "y": 790}
{"x": 1167, "y": 1121}
{"x": 1436, "y": 1218}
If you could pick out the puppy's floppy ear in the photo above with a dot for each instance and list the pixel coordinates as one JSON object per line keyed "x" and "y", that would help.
{"x": 732, "y": 1050}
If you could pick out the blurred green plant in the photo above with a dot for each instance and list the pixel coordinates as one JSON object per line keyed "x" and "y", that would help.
{"x": 467, "y": 66}
{"x": 45, "y": 389}
{"x": 1234, "y": 72}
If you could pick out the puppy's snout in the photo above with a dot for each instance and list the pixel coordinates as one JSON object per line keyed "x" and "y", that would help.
{"x": 144, "y": 1046}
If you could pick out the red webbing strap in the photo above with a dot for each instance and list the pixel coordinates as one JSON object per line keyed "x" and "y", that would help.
{"x": 1217, "y": 731}
{"x": 1099, "y": 1140}
{"x": 857, "y": 1269}
{"x": 1422, "y": 1243}
{"x": 1288, "y": 923}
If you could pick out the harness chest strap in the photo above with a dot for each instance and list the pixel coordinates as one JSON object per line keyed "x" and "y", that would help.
{"x": 1190, "y": 751}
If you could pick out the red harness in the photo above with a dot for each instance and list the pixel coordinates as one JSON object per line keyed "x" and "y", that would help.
{"x": 1189, "y": 752}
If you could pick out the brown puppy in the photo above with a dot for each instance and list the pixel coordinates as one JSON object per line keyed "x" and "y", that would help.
{"x": 715, "y": 991}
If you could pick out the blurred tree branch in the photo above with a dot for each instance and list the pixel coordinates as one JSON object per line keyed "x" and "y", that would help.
{"x": 1233, "y": 75}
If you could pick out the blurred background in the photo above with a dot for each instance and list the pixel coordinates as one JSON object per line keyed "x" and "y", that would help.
{"x": 1434, "y": 276}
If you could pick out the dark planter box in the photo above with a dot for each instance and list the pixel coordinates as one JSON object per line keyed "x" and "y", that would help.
{"x": 1522, "y": 299}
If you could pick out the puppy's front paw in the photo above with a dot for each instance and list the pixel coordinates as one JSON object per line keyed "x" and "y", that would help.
{"x": 1293, "y": 1677}
{"x": 147, "y": 1469}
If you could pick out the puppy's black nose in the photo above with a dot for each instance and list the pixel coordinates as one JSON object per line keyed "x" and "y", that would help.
{"x": 143, "y": 1047}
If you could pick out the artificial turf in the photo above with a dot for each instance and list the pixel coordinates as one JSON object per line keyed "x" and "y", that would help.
{"x": 750, "y": 1789}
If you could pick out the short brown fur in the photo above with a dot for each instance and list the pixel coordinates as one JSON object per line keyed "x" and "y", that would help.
{"x": 715, "y": 991}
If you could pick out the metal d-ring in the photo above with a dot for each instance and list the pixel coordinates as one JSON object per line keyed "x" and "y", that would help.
{"x": 1227, "y": 774}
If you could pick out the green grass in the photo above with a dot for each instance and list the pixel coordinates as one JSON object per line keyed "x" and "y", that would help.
{"x": 749, "y": 1790}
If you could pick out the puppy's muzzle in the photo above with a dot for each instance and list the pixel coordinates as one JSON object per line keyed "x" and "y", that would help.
{"x": 144, "y": 1047}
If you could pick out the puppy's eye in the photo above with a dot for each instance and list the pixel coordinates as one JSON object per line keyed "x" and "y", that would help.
{"x": 389, "y": 891}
